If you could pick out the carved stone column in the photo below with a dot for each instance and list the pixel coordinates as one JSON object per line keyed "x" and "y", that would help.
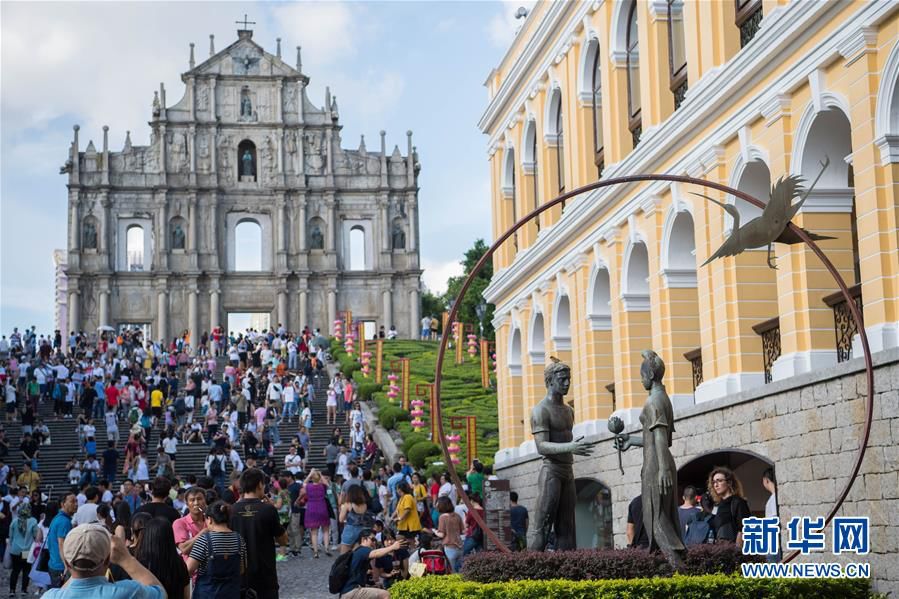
{"x": 332, "y": 308}
{"x": 414, "y": 316}
{"x": 304, "y": 310}
{"x": 331, "y": 236}
{"x": 193, "y": 322}
{"x": 104, "y": 308}
{"x": 282, "y": 309}
{"x": 74, "y": 310}
{"x": 387, "y": 308}
{"x": 162, "y": 314}
{"x": 103, "y": 241}
{"x": 383, "y": 204}
{"x": 214, "y": 296}
{"x": 301, "y": 224}
{"x": 412, "y": 236}
{"x": 162, "y": 229}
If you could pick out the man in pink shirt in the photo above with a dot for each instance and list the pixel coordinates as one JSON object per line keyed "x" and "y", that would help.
{"x": 187, "y": 528}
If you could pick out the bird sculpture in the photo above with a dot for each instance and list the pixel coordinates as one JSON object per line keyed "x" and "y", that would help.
{"x": 771, "y": 226}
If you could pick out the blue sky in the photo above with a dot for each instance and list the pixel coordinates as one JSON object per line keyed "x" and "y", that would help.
{"x": 392, "y": 66}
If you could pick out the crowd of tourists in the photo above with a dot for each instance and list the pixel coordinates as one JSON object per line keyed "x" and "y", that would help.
{"x": 138, "y": 526}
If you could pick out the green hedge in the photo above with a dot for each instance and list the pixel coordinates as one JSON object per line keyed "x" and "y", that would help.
{"x": 420, "y": 451}
{"x": 680, "y": 587}
{"x": 366, "y": 390}
{"x": 390, "y": 415}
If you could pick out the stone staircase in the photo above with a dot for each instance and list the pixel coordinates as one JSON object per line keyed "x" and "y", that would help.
{"x": 191, "y": 458}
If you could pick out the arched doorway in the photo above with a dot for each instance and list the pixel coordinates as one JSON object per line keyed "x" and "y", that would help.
{"x": 593, "y": 514}
{"x": 746, "y": 465}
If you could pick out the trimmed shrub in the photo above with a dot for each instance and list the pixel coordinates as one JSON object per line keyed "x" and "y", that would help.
{"x": 410, "y": 439}
{"x": 390, "y": 415}
{"x": 590, "y": 564}
{"x": 366, "y": 390}
{"x": 418, "y": 452}
{"x": 681, "y": 587}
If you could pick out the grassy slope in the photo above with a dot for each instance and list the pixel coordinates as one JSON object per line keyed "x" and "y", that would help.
{"x": 461, "y": 391}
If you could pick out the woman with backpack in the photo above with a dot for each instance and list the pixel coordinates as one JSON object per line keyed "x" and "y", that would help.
{"x": 354, "y": 517}
{"x": 730, "y": 506}
{"x": 449, "y": 531}
{"x": 212, "y": 556}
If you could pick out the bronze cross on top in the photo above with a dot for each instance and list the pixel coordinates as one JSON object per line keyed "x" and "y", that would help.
{"x": 245, "y": 22}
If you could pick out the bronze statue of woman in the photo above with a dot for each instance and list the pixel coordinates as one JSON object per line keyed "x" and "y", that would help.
{"x": 659, "y": 474}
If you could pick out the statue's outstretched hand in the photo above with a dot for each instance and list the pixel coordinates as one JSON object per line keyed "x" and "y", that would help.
{"x": 582, "y": 448}
{"x": 623, "y": 442}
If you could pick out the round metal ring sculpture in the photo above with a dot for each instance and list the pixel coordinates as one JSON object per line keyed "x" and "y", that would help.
{"x": 856, "y": 316}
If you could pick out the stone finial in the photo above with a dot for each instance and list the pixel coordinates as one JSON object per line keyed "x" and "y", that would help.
{"x": 191, "y": 62}
{"x": 278, "y": 47}
{"x": 334, "y": 111}
{"x": 211, "y": 44}
{"x": 383, "y": 142}
{"x": 127, "y": 140}
{"x": 362, "y": 143}
{"x": 157, "y": 107}
{"x": 299, "y": 59}
{"x": 327, "y": 98}
{"x": 409, "y": 142}
{"x": 105, "y": 138}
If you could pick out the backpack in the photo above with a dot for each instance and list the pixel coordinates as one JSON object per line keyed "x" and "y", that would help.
{"x": 698, "y": 530}
{"x": 180, "y": 406}
{"x": 340, "y": 572}
{"x": 215, "y": 468}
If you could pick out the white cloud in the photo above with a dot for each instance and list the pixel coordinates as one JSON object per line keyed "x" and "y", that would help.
{"x": 436, "y": 274}
{"x": 327, "y": 31}
{"x": 446, "y": 24}
{"x": 503, "y": 27}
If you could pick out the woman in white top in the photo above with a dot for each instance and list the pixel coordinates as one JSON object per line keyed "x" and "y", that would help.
{"x": 293, "y": 462}
{"x": 447, "y": 488}
{"x": 356, "y": 416}
{"x": 332, "y": 405}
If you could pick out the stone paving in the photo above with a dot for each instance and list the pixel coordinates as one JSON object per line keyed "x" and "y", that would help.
{"x": 300, "y": 578}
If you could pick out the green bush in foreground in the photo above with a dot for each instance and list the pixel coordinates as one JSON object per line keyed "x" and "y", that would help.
{"x": 678, "y": 587}
{"x": 421, "y": 450}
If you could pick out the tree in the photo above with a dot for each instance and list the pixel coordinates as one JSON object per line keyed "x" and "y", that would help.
{"x": 432, "y": 304}
{"x": 475, "y": 294}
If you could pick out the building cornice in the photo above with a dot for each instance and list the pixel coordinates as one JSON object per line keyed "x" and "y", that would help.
{"x": 785, "y": 28}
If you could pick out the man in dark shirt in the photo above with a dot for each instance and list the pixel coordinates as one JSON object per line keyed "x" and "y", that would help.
{"x": 110, "y": 462}
{"x": 159, "y": 507}
{"x": 30, "y": 451}
{"x": 297, "y": 531}
{"x": 518, "y": 521}
{"x": 636, "y": 532}
{"x": 88, "y": 397}
{"x": 357, "y": 585}
{"x": 257, "y": 521}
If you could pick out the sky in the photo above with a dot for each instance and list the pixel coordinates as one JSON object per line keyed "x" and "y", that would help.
{"x": 392, "y": 65}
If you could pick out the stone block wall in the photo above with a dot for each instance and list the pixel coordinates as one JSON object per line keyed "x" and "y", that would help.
{"x": 809, "y": 426}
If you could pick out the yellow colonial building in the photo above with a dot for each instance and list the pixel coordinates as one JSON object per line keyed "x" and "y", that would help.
{"x": 740, "y": 92}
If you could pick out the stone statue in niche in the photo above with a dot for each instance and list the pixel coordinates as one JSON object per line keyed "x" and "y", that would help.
{"x": 316, "y": 238}
{"x": 246, "y": 164}
{"x": 203, "y": 98}
{"x": 552, "y": 421}
{"x": 399, "y": 237}
{"x": 224, "y": 157}
{"x": 290, "y": 99}
{"x": 178, "y": 152}
{"x": 313, "y": 156}
{"x": 89, "y": 235}
{"x": 247, "y": 113}
{"x": 269, "y": 163}
{"x": 203, "y": 153}
{"x": 290, "y": 145}
{"x": 659, "y": 474}
{"x": 178, "y": 237}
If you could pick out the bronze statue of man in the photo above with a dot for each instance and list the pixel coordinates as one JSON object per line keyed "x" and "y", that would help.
{"x": 551, "y": 423}
{"x": 659, "y": 473}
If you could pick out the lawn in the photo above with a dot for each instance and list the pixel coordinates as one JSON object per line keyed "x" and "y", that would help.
{"x": 461, "y": 395}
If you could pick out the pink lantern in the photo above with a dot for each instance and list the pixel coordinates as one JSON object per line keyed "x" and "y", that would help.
{"x": 366, "y": 363}
{"x": 472, "y": 345}
{"x": 393, "y": 390}
{"x": 350, "y": 344}
{"x": 338, "y": 329}
{"x": 453, "y": 447}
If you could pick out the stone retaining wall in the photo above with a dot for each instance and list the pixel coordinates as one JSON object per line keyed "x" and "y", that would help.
{"x": 809, "y": 426}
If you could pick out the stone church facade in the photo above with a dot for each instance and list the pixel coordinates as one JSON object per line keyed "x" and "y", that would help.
{"x": 152, "y": 236}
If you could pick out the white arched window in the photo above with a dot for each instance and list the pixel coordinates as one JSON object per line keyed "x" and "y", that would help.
{"x": 635, "y": 296}
{"x": 537, "y": 345}
{"x": 509, "y": 190}
{"x": 248, "y": 246}
{"x": 679, "y": 252}
{"x": 515, "y": 353}
{"x": 599, "y": 300}
{"x": 756, "y": 181}
{"x": 530, "y": 161}
{"x": 134, "y": 248}
{"x": 357, "y": 248}
{"x": 562, "y": 324}
{"x": 677, "y": 52}
{"x": 596, "y": 104}
{"x": 559, "y": 133}
{"x": 632, "y": 49}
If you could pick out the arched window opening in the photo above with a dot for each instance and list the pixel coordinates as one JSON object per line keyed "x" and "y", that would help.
{"x": 178, "y": 233}
{"x": 357, "y": 248}
{"x": 316, "y": 234}
{"x": 560, "y": 142}
{"x": 600, "y": 300}
{"x": 748, "y": 19}
{"x": 246, "y": 161}
{"x": 597, "y": 112}
{"x": 531, "y": 143}
{"x": 515, "y": 351}
{"x": 89, "y": 233}
{"x": 677, "y": 53}
{"x": 509, "y": 189}
{"x": 538, "y": 338}
{"x": 593, "y": 514}
{"x": 756, "y": 181}
{"x": 747, "y": 467}
{"x": 682, "y": 244}
{"x": 134, "y": 248}
{"x": 248, "y": 246}
{"x": 562, "y": 324}
{"x": 638, "y": 270}
{"x": 635, "y": 122}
